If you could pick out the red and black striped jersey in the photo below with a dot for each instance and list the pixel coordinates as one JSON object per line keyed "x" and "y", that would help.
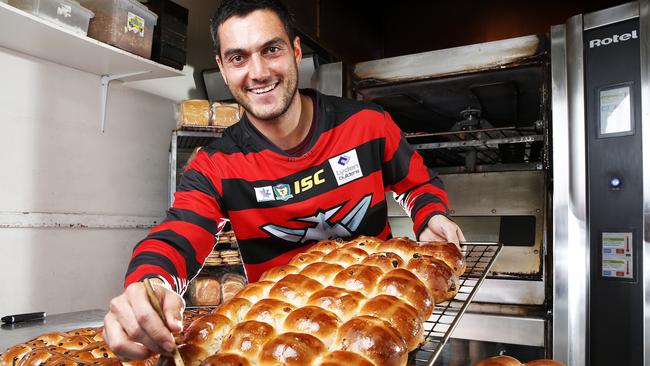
{"x": 279, "y": 204}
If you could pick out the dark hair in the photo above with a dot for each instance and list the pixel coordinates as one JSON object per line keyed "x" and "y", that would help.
{"x": 241, "y": 8}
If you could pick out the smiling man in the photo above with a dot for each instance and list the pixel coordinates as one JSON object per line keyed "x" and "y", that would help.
{"x": 299, "y": 167}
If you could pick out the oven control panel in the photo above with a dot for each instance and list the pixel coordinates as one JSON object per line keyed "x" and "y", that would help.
{"x": 615, "y": 191}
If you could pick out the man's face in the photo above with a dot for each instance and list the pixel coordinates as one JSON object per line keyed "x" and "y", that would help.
{"x": 259, "y": 64}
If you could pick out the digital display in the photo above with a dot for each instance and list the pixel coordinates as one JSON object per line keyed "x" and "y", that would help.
{"x": 615, "y": 111}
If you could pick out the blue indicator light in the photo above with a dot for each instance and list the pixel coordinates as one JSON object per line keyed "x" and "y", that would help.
{"x": 615, "y": 182}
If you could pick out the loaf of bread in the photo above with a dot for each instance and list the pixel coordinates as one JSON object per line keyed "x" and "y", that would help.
{"x": 511, "y": 361}
{"x": 225, "y": 114}
{"x": 231, "y": 283}
{"x": 361, "y": 302}
{"x": 205, "y": 291}
{"x": 194, "y": 112}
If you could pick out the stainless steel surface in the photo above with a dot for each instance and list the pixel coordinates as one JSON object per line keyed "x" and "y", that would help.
{"x": 560, "y": 204}
{"x": 500, "y": 194}
{"x": 644, "y": 8}
{"x": 611, "y": 15}
{"x": 501, "y": 329}
{"x": 329, "y": 79}
{"x": 479, "y": 257}
{"x": 502, "y": 291}
{"x": 12, "y": 334}
{"x": 483, "y": 56}
{"x": 570, "y": 251}
{"x": 578, "y": 249}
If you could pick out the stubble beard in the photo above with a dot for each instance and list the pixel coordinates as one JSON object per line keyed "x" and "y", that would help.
{"x": 290, "y": 85}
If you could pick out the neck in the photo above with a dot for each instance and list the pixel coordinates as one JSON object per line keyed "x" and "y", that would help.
{"x": 289, "y": 129}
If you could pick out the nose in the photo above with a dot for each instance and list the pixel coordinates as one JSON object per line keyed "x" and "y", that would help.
{"x": 259, "y": 70}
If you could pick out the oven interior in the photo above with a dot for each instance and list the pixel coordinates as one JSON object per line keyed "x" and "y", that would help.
{"x": 486, "y": 132}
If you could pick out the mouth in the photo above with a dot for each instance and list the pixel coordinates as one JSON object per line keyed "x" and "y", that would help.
{"x": 263, "y": 90}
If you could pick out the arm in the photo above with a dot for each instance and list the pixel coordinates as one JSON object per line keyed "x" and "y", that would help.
{"x": 417, "y": 189}
{"x": 172, "y": 254}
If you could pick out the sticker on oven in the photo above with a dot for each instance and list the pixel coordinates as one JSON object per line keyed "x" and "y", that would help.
{"x": 64, "y": 10}
{"x": 346, "y": 167}
{"x": 135, "y": 24}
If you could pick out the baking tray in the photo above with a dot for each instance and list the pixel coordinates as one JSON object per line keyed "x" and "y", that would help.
{"x": 479, "y": 257}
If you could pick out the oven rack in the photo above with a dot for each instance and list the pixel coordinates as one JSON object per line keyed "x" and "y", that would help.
{"x": 484, "y": 147}
{"x": 479, "y": 257}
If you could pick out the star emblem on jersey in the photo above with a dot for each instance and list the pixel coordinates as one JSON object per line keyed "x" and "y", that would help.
{"x": 264, "y": 194}
{"x": 321, "y": 226}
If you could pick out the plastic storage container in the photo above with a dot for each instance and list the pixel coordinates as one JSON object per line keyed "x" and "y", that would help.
{"x": 125, "y": 24}
{"x": 66, "y": 13}
{"x": 170, "y": 34}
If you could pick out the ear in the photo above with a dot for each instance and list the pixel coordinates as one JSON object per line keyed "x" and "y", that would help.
{"x": 220, "y": 64}
{"x": 297, "y": 50}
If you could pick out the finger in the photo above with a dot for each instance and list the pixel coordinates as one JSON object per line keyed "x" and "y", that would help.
{"x": 461, "y": 236}
{"x": 172, "y": 305}
{"x": 118, "y": 341}
{"x": 137, "y": 333}
{"x": 451, "y": 233}
{"x": 156, "y": 336}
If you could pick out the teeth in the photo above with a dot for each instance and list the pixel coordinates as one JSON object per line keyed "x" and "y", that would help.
{"x": 264, "y": 90}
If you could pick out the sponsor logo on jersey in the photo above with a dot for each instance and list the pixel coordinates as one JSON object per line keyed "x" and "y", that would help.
{"x": 264, "y": 194}
{"x": 308, "y": 182}
{"x": 320, "y": 226}
{"x": 282, "y": 192}
{"x": 346, "y": 167}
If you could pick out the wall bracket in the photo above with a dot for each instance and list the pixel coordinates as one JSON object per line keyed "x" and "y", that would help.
{"x": 105, "y": 81}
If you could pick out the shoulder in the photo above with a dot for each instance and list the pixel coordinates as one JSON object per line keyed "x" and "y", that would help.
{"x": 232, "y": 141}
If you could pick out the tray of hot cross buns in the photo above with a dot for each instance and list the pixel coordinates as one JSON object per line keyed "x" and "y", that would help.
{"x": 364, "y": 301}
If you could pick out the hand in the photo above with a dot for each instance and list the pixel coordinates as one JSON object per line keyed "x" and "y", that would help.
{"x": 440, "y": 228}
{"x": 132, "y": 328}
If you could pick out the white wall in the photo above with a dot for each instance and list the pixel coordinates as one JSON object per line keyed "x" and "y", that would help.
{"x": 54, "y": 160}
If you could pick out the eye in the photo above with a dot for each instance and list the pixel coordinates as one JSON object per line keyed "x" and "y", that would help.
{"x": 274, "y": 49}
{"x": 236, "y": 59}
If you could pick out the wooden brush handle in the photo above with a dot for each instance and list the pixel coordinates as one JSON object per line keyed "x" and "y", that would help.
{"x": 155, "y": 303}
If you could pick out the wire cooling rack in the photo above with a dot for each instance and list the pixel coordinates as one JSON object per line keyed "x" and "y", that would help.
{"x": 479, "y": 257}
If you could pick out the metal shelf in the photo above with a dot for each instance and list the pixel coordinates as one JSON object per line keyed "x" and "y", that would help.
{"x": 500, "y": 149}
{"x": 187, "y": 138}
{"x": 479, "y": 258}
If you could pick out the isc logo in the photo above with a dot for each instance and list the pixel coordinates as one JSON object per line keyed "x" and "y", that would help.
{"x": 308, "y": 182}
{"x": 614, "y": 39}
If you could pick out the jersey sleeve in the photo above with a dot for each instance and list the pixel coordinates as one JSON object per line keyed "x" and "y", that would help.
{"x": 418, "y": 189}
{"x": 176, "y": 249}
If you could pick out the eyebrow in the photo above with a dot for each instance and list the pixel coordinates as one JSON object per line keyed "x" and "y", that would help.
{"x": 269, "y": 43}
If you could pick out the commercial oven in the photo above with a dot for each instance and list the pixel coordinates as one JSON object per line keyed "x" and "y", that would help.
{"x": 541, "y": 144}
